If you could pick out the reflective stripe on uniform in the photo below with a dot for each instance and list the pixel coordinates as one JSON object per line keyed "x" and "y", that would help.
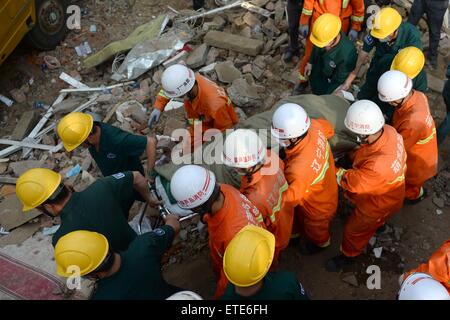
{"x": 163, "y": 94}
{"x": 301, "y": 77}
{"x": 306, "y": 12}
{"x": 325, "y": 167}
{"x": 357, "y": 18}
{"x": 345, "y": 4}
{"x": 426, "y": 140}
{"x": 277, "y": 208}
{"x": 399, "y": 178}
{"x": 218, "y": 253}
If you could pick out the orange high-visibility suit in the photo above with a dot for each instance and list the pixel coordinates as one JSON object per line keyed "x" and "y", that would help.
{"x": 376, "y": 185}
{"x": 236, "y": 213}
{"x": 438, "y": 266}
{"x": 350, "y": 12}
{"x": 211, "y": 108}
{"x": 313, "y": 189}
{"x": 416, "y": 125}
{"x": 266, "y": 191}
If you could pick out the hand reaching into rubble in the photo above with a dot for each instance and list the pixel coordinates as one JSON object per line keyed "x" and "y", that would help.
{"x": 353, "y": 35}
{"x": 154, "y": 117}
{"x": 172, "y": 220}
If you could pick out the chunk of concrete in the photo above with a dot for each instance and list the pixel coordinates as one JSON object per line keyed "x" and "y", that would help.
{"x": 435, "y": 83}
{"x": 270, "y": 29}
{"x": 251, "y": 20}
{"x": 233, "y": 42}
{"x": 20, "y": 167}
{"x": 283, "y": 38}
{"x": 244, "y": 95}
{"x": 24, "y": 126}
{"x": 227, "y": 72}
{"x": 197, "y": 58}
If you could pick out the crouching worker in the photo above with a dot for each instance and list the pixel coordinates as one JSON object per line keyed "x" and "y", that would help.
{"x": 246, "y": 264}
{"x": 133, "y": 274}
{"x": 102, "y": 207}
{"x": 207, "y": 105}
{"x": 262, "y": 181}
{"x": 223, "y": 208}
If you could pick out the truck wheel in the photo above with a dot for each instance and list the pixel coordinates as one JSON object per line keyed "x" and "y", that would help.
{"x": 50, "y": 28}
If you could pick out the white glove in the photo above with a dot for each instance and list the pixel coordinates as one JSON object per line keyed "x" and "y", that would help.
{"x": 353, "y": 35}
{"x": 308, "y": 69}
{"x": 154, "y": 117}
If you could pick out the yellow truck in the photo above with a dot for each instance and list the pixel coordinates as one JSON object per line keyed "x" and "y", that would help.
{"x": 42, "y": 22}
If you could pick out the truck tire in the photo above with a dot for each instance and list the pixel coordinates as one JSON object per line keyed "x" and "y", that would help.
{"x": 51, "y": 27}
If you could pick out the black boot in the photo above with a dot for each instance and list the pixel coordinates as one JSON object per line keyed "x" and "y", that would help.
{"x": 419, "y": 199}
{"x": 338, "y": 263}
{"x": 299, "y": 88}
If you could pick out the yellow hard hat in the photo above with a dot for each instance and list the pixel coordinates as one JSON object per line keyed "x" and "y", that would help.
{"x": 325, "y": 29}
{"x": 248, "y": 256}
{"x": 410, "y": 61}
{"x": 83, "y": 249}
{"x": 74, "y": 128}
{"x": 35, "y": 186}
{"x": 386, "y": 22}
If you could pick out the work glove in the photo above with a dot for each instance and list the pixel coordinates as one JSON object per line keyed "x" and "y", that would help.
{"x": 308, "y": 69}
{"x": 304, "y": 30}
{"x": 353, "y": 35}
{"x": 154, "y": 118}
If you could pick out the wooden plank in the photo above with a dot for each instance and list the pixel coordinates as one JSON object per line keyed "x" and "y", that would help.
{"x": 27, "y": 144}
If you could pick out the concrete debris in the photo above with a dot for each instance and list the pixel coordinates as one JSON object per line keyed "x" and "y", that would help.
{"x": 247, "y": 68}
{"x": 244, "y": 95}
{"x": 270, "y": 6}
{"x": 279, "y": 11}
{"x": 251, "y": 20}
{"x": 216, "y": 24}
{"x": 257, "y": 72}
{"x": 283, "y": 38}
{"x": 270, "y": 29}
{"x": 24, "y": 126}
{"x": 157, "y": 76}
{"x": 171, "y": 125}
{"x": 20, "y": 167}
{"x": 197, "y": 58}
{"x": 439, "y": 202}
{"x": 246, "y": 32}
{"x": 439, "y": 212}
{"x": 233, "y": 42}
{"x": 240, "y": 113}
{"x": 372, "y": 241}
{"x": 435, "y": 83}
{"x": 18, "y": 95}
{"x": 69, "y": 105}
{"x": 350, "y": 279}
{"x": 181, "y": 56}
{"x": 227, "y": 72}
{"x": 268, "y": 46}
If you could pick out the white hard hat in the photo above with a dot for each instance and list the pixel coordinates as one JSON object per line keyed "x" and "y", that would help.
{"x": 243, "y": 149}
{"x": 192, "y": 185}
{"x": 185, "y": 295}
{"x": 421, "y": 286}
{"x": 393, "y": 85}
{"x": 364, "y": 117}
{"x": 177, "y": 80}
{"x": 290, "y": 121}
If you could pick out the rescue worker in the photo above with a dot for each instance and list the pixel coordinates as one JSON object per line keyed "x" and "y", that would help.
{"x": 388, "y": 36}
{"x": 333, "y": 56}
{"x": 134, "y": 274}
{"x": 437, "y": 266}
{"x": 262, "y": 182}
{"x": 422, "y": 286}
{"x": 293, "y": 11}
{"x": 410, "y": 61}
{"x": 309, "y": 170}
{"x": 223, "y": 208}
{"x": 435, "y": 11}
{"x": 207, "y": 105}
{"x": 375, "y": 184}
{"x": 102, "y": 207}
{"x": 351, "y": 13}
{"x": 412, "y": 119}
{"x": 246, "y": 264}
{"x": 113, "y": 149}
{"x": 185, "y": 295}
{"x": 444, "y": 128}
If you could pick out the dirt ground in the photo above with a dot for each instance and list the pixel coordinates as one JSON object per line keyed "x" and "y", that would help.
{"x": 416, "y": 232}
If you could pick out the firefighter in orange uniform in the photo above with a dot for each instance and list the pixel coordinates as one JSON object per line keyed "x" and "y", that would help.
{"x": 262, "y": 181}
{"x": 375, "y": 184}
{"x": 413, "y": 120}
{"x": 310, "y": 172}
{"x": 207, "y": 105}
{"x": 223, "y": 208}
